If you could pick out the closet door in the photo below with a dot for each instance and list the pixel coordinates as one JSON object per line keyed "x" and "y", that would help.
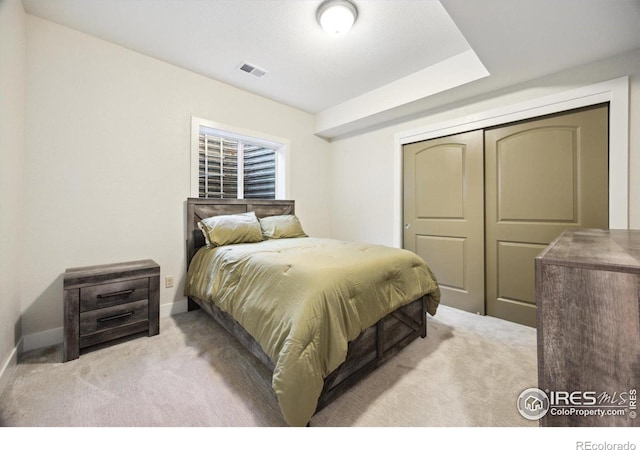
{"x": 542, "y": 177}
{"x": 444, "y": 214}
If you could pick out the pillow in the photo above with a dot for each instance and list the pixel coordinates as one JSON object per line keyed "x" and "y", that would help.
{"x": 279, "y": 227}
{"x": 231, "y": 229}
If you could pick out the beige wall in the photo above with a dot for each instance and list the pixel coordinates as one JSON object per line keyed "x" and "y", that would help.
{"x": 363, "y": 186}
{"x": 12, "y": 75}
{"x": 108, "y": 158}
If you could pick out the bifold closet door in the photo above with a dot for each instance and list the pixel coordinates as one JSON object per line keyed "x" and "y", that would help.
{"x": 444, "y": 214}
{"x": 541, "y": 177}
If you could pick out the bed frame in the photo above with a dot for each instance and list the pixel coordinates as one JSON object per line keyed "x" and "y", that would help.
{"x": 374, "y": 346}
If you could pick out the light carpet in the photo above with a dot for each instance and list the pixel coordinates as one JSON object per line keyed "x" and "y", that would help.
{"x": 468, "y": 372}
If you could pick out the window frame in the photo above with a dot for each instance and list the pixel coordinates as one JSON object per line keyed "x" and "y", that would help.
{"x": 280, "y": 145}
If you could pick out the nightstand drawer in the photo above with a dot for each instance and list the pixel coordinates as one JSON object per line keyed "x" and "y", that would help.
{"x": 111, "y": 294}
{"x": 113, "y": 317}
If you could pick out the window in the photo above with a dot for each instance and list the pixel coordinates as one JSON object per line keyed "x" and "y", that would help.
{"x": 228, "y": 164}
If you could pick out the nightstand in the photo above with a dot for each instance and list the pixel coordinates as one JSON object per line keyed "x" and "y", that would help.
{"x": 109, "y": 301}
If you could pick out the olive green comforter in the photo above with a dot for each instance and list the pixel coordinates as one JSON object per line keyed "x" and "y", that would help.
{"x": 304, "y": 299}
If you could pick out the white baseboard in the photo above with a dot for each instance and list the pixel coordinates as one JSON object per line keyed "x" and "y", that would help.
{"x": 56, "y": 336}
{"x": 42, "y": 339}
{"x": 7, "y": 367}
{"x": 171, "y": 309}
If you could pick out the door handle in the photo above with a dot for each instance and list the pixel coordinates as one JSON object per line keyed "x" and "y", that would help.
{"x": 407, "y": 226}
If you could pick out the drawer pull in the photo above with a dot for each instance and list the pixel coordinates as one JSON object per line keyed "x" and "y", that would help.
{"x": 116, "y": 316}
{"x": 113, "y": 294}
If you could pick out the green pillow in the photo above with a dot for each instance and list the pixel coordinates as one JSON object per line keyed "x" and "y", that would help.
{"x": 231, "y": 229}
{"x": 279, "y": 227}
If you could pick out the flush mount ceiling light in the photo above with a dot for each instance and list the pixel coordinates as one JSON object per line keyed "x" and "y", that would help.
{"x": 337, "y": 16}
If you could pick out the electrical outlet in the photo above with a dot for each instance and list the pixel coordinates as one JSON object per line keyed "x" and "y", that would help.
{"x": 168, "y": 281}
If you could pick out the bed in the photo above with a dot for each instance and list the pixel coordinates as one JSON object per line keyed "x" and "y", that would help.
{"x": 332, "y": 324}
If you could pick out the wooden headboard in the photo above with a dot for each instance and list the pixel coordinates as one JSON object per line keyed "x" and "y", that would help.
{"x": 201, "y": 208}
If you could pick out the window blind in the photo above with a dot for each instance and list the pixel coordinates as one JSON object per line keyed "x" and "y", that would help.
{"x": 232, "y": 168}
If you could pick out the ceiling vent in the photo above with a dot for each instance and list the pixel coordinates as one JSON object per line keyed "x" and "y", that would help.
{"x": 253, "y": 70}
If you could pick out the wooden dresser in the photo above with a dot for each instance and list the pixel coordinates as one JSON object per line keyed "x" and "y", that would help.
{"x": 587, "y": 292}
{"x": 106, "y": 302}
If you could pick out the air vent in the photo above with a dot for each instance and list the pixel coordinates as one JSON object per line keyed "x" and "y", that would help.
{"x": 252, "y": 69}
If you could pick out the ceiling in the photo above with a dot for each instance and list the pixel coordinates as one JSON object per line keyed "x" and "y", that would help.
{"x": 419, "y": 47}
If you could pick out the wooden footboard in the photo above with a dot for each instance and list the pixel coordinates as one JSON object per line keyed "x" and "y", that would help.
{"x": 374, "y": 346}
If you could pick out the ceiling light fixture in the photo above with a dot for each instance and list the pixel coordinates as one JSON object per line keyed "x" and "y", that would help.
{"x": 337, "y": 16}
